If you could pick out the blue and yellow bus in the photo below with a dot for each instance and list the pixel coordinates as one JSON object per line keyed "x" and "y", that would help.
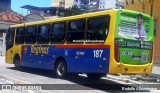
{"x": 97, "y": 43}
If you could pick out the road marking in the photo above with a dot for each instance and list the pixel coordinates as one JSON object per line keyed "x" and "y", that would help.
{"x": 30, "y": 91}
{"x": 10, "y": 82}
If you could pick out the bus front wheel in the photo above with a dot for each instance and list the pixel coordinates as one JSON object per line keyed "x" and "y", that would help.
{"x": 61, "y": 69}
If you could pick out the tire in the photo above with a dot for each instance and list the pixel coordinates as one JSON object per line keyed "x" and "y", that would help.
{"x": 17, "y": 63}
{"x": 95, "y": 75}
{"x": 61, "y": 69}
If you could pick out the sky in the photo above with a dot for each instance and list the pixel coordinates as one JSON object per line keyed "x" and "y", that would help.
{"x": 16, "y": 4}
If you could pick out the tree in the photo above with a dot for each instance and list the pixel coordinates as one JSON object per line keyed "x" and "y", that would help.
{"x": 144, "y": 3}
{"x": 74, "y": 10}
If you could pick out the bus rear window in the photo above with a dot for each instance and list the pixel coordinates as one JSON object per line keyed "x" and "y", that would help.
{"x": 98, "y": 28}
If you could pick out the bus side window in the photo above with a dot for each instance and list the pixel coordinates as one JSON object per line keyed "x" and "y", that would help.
{"x": 10, "y": 36}
{"x": 43, "y": 34}
{"x": 58, "y": 32}
{"x": 20, "y": 35}
{"x": 76, "y": 30}
{"x": 98, "y": 28}
{"x": 31, "y": 34}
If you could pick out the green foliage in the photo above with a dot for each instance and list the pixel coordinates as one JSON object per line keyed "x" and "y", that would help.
{"x": 74, "y": 10}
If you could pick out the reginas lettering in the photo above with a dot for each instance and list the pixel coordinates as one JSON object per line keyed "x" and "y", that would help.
{"x": 39, "y": 50}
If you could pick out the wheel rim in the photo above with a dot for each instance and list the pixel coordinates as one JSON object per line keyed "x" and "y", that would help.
{"x": 17, "y": 64}
{"x": 61, "y": 69}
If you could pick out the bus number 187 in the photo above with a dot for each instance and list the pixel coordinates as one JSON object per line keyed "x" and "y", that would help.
{"x": 97, "y": 53}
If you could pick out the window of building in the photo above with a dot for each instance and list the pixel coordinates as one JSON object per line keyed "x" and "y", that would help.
{"x": 43, "y": 34}
{"x": 76, "y": 30}
{"x": 98, "y": 28}
{"x": 58, "y": 32}
{"x": 31, "y": 34}
{"x": 20, "y": 35}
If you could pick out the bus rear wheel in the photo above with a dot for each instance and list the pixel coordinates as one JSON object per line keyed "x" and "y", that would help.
{"x": 17, "y": 63}
{"x": 95, "y": 75}
{"x": 61, "y": 69}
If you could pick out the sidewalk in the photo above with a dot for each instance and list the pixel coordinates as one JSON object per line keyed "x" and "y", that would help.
{"x": 5, "y": 81}
{"x": 155, "y": 70}
{"x": 5, "y": 86}
{"x": 157, "y": 64}
{"x": 2, "y": 58}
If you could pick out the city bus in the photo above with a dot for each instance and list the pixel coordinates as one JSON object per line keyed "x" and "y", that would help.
{"x": 97, "y": 43}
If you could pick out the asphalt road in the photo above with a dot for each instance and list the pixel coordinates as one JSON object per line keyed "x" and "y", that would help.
{"x": 71, "y": 84}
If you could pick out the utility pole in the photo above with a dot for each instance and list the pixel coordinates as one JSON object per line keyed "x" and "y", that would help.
{"x": 151, "y": 1}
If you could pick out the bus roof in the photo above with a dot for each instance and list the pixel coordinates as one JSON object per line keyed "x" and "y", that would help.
{"x": 73, "y": 17}
{"x": 62, "y": 19}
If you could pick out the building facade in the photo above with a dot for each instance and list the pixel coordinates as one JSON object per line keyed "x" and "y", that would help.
{"x": 5, "y": 5}
{"x": 87, "y": 5}
{"x": 92, "y": 5}
{"x": 62, "y": 3}
{"x": 149, "y": 9}
{"x": 107, "y": 4}
{"x": 55, "y": 3}
{"x": 69, "y": 3}
{"x": 7, "y": 18}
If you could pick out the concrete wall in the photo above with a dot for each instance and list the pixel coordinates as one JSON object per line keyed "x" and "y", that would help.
{"x": 69, "y": 3}
{"x": 2, "y": 44}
